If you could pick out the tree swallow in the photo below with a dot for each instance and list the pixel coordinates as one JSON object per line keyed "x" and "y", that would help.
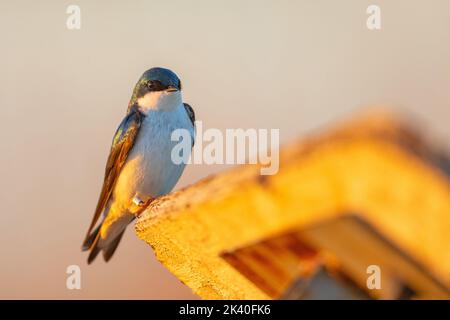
{"x": 139, "y": 166}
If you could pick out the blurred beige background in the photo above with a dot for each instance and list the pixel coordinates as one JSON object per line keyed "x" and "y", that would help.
{"x": 293, "y": 65}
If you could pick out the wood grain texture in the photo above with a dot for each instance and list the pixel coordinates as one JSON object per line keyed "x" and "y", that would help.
{"x": 372, "y": 165}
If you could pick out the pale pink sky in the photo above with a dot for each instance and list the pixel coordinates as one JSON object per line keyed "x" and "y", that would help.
{"x": 292, "y": 65}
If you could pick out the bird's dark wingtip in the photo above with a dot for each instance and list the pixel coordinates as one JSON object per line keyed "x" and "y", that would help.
{"x": 93, "y": 254}
{"x": 90, "y": 239}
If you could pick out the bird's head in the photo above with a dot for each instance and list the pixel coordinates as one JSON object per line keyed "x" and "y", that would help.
{"x": 158, "y": 88}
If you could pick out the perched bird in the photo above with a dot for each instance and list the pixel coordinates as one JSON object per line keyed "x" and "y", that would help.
{"x": 139, "y": 166}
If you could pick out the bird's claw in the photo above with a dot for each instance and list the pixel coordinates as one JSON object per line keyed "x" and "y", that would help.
{"x": 141, "y": 204}
{"x": 137, "y": 201}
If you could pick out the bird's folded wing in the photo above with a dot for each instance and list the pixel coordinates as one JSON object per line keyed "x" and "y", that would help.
{"x": 122, "y": 143}
{"x": 191, "y": 114}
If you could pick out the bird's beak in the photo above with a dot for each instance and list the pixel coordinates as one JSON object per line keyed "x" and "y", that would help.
{"x": 171, "y": 89}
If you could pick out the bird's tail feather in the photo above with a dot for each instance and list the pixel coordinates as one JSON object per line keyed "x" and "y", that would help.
{"x": 93, "y": 244}
{"x": 95, "y": 249}
{"x": 111, "y": 248}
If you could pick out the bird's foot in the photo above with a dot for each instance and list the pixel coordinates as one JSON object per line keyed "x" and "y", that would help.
{"x": 138, "y": 202}
{"x": 142, "y": 205}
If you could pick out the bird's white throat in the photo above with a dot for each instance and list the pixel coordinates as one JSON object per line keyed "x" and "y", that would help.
{"x": 160, "y": 100}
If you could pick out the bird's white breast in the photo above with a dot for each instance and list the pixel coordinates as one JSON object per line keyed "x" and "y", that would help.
{"x": 149, "y": 170}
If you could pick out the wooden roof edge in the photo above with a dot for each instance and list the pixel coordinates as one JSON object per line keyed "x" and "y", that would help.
{"x": 370, "y": 124}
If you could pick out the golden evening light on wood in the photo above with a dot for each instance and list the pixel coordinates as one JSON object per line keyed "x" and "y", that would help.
{"x": 230, "y": 236}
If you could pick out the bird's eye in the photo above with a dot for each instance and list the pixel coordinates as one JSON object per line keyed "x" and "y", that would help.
{"x": 154, "y": 85}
